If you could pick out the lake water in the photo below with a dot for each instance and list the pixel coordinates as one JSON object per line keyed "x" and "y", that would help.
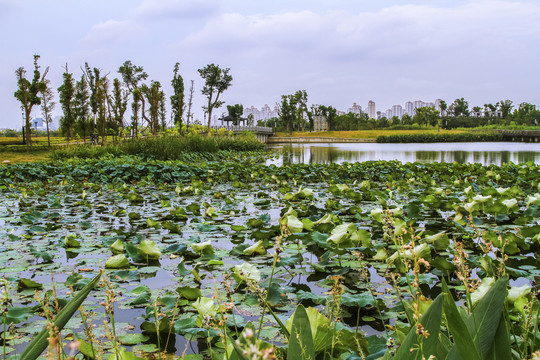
{"x": 484, "y": 153}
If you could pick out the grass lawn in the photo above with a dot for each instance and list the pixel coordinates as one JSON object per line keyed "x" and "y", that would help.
{"x": 364, "y": 134}
{"x": 20, "y": 156}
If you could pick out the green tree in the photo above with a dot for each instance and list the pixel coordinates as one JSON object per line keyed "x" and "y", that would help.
{"x": 443, "y": 106}
{"x": 66, "y": 92}
{"x": 81, "y": 107}
{"x": 28, "y": 94}
{"x": 330, "y": 113}
{"x": 47, "y": 105}
{"x": 426, "y": 115}
{"x": 460, "y": 107}
{"x": 135, "y": 108}
{"x": 406, "y": 119}
{"x": 155, "y": 97}
{"x": 178, "y": 104}
{"x": 133, "y": 77}
{"x": 505, "y": 106}
{"x": 287, "y": 111}
{"x": 216, "y": 81}
{"x": 119, "y": 102}
{"x": 235, "y": 113}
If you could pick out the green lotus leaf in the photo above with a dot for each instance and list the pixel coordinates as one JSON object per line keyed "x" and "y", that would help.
{"x": 211, "y": 211}
{"x": 341, "y": 234}
{"x": 482, "y": 289}
{"x": 152, "y": 223}
{"x": 203, "y": 248}
{"x": 515, "y": 292}
{"x": 133, "y": 339}
{"x": 117, "y": 262}
{"x": 70, "y": 241}
{"x": 294, "y": 225}
{"x": 533, "y": 200}
{"x": 246, "y": 271}
{"x": 117, "y": 247}
{"x": 17, "y": 315}
{"x": 257, "y": 248}
{"x": 510, "y": 203}
{"x": 205, "y": 306}
{"x": 440, "y": 240}
{"x": 381, "y": 254}
{"x": 28, "y": 284}
{"x": 150, "y": 250}
{"x": 190, "y": 293}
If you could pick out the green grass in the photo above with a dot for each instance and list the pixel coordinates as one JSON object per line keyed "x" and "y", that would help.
{"x": 366, "y": 134}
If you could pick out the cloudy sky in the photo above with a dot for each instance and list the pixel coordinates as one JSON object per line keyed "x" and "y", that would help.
{"x": 339, "y": 51}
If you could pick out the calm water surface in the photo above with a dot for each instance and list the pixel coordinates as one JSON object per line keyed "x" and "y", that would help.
{"x": 485, "y": 153}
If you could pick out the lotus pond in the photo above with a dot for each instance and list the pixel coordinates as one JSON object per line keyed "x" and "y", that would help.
{"x": 195, "y": 256}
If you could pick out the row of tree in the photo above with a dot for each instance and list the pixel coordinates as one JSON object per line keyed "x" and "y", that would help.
{"x": 95, "y": 104}
{"x": 295, "y": 114}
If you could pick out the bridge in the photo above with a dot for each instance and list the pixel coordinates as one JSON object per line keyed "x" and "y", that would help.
{"x": 261, "y": 132}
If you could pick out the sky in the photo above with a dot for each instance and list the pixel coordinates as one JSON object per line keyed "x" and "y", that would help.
{"x": 339, "y": 51}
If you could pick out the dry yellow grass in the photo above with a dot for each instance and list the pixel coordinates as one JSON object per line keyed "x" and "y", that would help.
{"x": 17, "y": 157}
{"x": 364, "y": 134}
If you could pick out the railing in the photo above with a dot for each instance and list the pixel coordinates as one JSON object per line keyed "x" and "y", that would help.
{"x": 238, "y": 129}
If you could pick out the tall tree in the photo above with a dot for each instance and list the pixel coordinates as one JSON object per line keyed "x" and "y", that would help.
{"x": 505, "y": 106}
{"x": 178, "y": 104}
{"x": 67, "y": 93}
{"x": 287, "y": 111}
{"x": 460, "y": 107}
{"x": 28, "y": 94}
{"x": 119, "y": 102}
{"x": 101, "y": 97}
{"x": 443, "y": 105}
{"x": 135, "y": 108}
{"x": 47, "y": 105}
{"x": 81, "y": 107}
{"x": 155, "y": 96}
{"x": 216, "y": 81}
{"x": 426, "y": 115}
{"x": 133, "y": 77}
{"x": 190, "y": 103}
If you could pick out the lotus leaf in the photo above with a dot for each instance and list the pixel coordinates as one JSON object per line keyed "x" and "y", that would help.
{"x": 205, "y": 306}
{"x": 203, "y": 248}
{"x": 246, "y": 272}
{"x": 149, "y": 250}
{"x": 257, "y": 248}
{"x": 117, "y": 262}
{"x": 294, "y": 225}
{"x": 71, "y": 241}
{"x": 117, "y": 247}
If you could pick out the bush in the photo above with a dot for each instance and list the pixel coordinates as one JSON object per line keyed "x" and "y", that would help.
{"x": 164, "y": 148}
{"x": 435, "y": 138}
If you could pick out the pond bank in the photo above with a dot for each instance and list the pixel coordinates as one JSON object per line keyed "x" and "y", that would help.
{"x": 307, "y": 140}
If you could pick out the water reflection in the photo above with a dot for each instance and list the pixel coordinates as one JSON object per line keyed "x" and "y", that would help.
{"x": 483, "y": 153}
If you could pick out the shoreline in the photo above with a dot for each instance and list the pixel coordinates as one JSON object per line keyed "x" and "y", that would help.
{"x": 307, "y": 140}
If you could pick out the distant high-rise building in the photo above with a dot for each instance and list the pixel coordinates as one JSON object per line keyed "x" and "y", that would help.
{"x": 371, "y": 110}
{"x": 409, "y": 108}
{"x": 356, "y": 109}
{"x": 397, "y": 110}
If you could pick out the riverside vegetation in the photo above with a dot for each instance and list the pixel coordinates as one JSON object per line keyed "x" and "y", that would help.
{"x": 207, "y": 257}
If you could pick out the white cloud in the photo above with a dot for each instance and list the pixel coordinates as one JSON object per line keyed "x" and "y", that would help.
{"x": 112, "y": 32}
{"x": 175, "y": 9}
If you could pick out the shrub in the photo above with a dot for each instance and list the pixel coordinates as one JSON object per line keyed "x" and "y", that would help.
{"x": 434, "y": 138}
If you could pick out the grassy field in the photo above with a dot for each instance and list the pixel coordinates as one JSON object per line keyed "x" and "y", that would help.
{"x": 365, "y": 134}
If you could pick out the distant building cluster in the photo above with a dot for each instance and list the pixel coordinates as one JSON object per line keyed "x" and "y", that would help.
{"x": 396, "y": 110}
{"x": 266, "y": 112}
